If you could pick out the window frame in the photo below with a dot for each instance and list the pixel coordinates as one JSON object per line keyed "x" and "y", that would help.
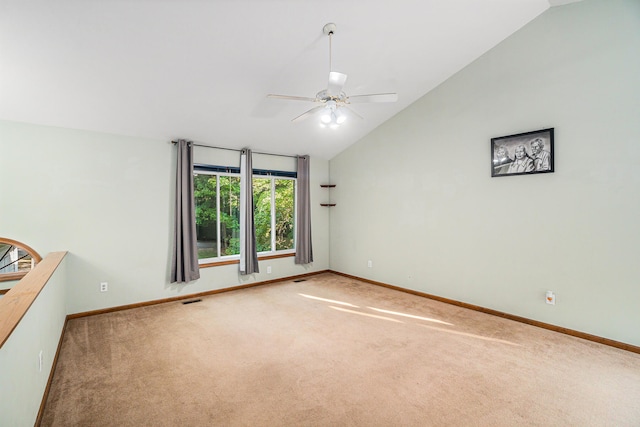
{"x": 219, "y": 171}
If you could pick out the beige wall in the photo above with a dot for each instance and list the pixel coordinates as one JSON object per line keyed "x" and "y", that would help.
{"x": 416, "y": 196}
{"x": 107, "y": 199}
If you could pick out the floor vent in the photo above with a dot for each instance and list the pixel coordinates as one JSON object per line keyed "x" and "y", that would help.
{"x": 192, "y": 301}
{"x": 299, "y": 280}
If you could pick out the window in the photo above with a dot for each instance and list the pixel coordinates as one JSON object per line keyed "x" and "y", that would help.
{"x": 16, "y": 260}
{"x": 273, "y": 215}
{"x": 217, "y": 200}
{"x": 212, "y": 191}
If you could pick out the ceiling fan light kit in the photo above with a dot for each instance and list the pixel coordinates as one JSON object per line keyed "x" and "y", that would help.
{"x": 331, "y": 116}
{"x": 333, "y": 100}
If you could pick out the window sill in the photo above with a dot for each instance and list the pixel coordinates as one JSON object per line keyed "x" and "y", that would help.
{"x": 237, "y": 261}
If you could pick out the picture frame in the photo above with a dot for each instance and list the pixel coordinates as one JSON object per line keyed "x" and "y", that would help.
{"x": 523, "y": 153}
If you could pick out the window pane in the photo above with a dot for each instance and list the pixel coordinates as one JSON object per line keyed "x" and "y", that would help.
{"x": 14, "y": 259}
{"x": 206, "y": 215}
{"x": 285, "y": 197}
{"x": 229, "y": 215}
{"x": 262, "y": 213}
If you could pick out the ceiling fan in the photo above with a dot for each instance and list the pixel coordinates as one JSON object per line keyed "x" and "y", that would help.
{"x": 333, "y": 101}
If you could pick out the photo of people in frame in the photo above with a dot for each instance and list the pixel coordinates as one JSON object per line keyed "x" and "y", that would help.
{"x": 524, "y": 153}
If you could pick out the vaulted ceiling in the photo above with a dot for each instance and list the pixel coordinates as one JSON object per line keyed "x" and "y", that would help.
{"x": 201, "y": 69}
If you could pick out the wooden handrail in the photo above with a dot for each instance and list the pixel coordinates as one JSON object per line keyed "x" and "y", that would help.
{"x": 17, "y": 301}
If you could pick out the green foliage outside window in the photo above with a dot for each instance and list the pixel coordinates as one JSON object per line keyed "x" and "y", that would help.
{"x": 204, "y": 191}
{"x": 285, "y": 205}
{"x": 262, "y": 213}
{"x": 230, "y": 215}
{"x": 206, "y": 200}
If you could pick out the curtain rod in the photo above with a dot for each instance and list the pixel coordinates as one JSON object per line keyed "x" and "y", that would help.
{"x": 234, "y": 149}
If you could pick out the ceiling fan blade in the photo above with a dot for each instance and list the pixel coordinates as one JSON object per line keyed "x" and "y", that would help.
{"x": 374, "y": 97}
{"x": 308, "y": 113}
{"x": 291, "y": 98}
{"x": 336, "y": 83}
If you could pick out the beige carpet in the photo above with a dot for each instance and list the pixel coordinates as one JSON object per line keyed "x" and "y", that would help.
{"x": 332, "y": 351}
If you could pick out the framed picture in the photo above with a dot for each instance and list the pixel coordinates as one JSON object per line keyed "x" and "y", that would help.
{"x": 522, "y": 154}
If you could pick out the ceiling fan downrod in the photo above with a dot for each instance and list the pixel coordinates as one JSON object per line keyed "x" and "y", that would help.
{"x": 329, "y": 29}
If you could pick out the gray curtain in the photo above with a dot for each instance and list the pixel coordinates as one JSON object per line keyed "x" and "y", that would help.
{"x": 248, "y": 251}
{"x": 304, "y": 251}
{"x": 184, "y": 263}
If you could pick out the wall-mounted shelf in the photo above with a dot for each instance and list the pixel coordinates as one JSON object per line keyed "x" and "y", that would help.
{"x": 328, "y": 204}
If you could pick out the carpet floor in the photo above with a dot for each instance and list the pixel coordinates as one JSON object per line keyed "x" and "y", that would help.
{"x": 332, "y": 351}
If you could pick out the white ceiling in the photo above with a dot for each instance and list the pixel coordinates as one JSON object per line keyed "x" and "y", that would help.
{"x": 201, "y": 69}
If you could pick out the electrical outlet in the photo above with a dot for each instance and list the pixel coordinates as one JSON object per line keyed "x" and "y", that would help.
{"x": 40, "y": 361}
{"x": 369, "y": 264}
{"x": 104, "y": 286}
{"x": 550, "y": 298}
{"x": 268, "y": 269}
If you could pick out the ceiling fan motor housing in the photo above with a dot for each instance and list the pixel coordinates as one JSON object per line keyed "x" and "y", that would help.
{"x": 324, "y": 96}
